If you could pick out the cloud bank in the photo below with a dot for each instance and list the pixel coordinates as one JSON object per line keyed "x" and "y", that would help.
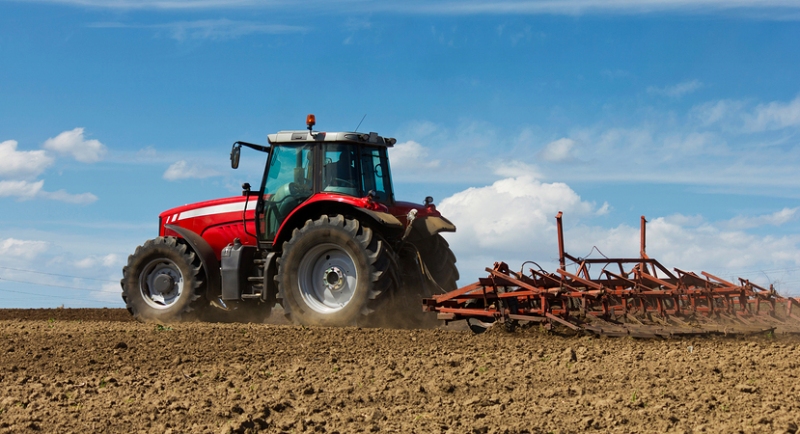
{"x": 513, "y": 220}
{"x": 72, "y": 143}
{"x": 19, "y": 169}
{"x": 213, "y": 29}
{"x": 775, "y": 9}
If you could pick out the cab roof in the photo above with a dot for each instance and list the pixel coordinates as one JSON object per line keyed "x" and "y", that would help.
{"x": 306, "y": 136}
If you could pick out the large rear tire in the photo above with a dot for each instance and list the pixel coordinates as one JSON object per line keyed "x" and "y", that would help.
{"x": 440, "y": 262}
{"x": 429, "y": 268}
{"x": 333, "y": 272}
{"x": 161, "y": 281}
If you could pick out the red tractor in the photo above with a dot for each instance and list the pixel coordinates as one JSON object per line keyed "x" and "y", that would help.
{"x": 323, "y": 236}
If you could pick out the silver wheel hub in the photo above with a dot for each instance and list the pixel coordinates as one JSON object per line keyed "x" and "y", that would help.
{"x": 334, "y": 279}
{"x": 327, "y": 278}
{"x": 161, "y": 283}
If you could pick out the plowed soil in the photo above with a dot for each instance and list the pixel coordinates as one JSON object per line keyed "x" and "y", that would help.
{"x": 87, "y": 371}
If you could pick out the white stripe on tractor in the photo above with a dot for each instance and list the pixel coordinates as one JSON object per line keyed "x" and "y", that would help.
{"x": 215, "y": 209}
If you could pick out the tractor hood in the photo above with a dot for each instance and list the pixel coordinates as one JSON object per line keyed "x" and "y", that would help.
{"x": 218, "y": 221}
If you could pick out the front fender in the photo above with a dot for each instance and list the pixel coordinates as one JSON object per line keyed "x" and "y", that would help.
{"x": 207, "y": 258}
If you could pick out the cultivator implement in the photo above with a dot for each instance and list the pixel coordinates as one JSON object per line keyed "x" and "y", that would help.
{"x": 636, "y": 297}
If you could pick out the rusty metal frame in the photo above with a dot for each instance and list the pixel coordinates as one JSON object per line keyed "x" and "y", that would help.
{"x": 642, "y": 299}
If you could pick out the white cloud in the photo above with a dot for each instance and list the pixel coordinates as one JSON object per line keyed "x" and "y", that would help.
{"x": 12, "y": 248}
{"x": 777, "y": 218}
{"x": 410, "y": 156}
{"x": 736, "y": 115}
{"x": 109, "y": 293}
{"x": 63, "y": 196}
{"x": 148, "y": 153}
{"x": 24, "y": 190}
{"x": 515, "y": 169}
{"x": 73, "y": 143}
{"x": 708, "y": 247}
{"x": 680, "y": 146}
{"x": 560, "y": 150}
{"x": 185, "y": 170}
{"x": 511, "y": 215}
{"x": 421, "y": 129}
{"x": 774, "y": 116}
{"x": 712, "y": 112}
{"x": 22, "y": 164}
{"x": 21, "y": 189}
{"x": 513, "y": 220}
{"x": 775, "y": 9}
{"x": 219, "y": 29}
{"x": 110, "y": 260}
{"x": 677, "y": 90}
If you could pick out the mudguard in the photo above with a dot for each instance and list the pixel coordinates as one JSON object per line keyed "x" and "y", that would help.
{"x": 430, "y": 226}
{"x": 384, "y": 218}
{"x": 207, "y": 258}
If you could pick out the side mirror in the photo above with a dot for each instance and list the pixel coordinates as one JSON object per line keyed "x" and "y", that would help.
{"x": 235, "y": 153}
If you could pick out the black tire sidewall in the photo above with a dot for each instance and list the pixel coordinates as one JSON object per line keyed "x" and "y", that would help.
{"x": 132, "y": 291}
{"x": 439, "y": 260}
{"x": 294, "y": 252}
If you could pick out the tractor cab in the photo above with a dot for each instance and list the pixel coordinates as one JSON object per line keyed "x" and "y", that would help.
{"x": 347, "y": 167}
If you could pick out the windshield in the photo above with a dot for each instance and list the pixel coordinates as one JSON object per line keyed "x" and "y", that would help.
{"x": 289, "y": 183}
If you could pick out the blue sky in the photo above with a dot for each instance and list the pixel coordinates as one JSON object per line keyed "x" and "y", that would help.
{"x": 505, "y": 112}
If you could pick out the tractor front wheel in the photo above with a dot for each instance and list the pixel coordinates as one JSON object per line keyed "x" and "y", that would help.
{"x": 160, "y": 282}
{"x": 332, "y": 272}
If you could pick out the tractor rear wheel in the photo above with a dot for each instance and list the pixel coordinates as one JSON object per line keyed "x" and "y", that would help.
{"x": 429, "y": 268}
{"x": 161, "y": 281}
{"x": 333, "y": 272}
{"x": 440, "y": 262}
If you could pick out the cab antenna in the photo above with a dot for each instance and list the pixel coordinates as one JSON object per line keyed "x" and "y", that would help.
{"x": 359, "y": 124}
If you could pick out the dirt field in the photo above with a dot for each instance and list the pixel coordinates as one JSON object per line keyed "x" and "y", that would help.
{"x": 87, "y": 371}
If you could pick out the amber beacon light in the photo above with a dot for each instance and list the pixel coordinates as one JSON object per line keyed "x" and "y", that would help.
{"x": 311, "y": 121}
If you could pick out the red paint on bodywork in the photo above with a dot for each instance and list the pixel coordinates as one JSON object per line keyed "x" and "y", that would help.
{"x": 219, "y": 225}
{"x": 401, "y": 209}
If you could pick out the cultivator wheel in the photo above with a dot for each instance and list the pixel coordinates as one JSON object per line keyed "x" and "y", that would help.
{"x": 162, "y": 281}
{"x": 636, "y": 297}
{"x": 333, "y": 272}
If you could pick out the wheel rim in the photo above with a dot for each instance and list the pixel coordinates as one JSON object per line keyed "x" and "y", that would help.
{"x": 327, "y": 278}
{"x": 161, "y": 283}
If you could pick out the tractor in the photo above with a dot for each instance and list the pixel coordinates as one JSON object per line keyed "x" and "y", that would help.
{"x": 322, "y": 236}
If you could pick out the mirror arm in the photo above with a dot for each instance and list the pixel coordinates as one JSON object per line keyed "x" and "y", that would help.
{"x": 236, "y": 151}
{"x": 261, "y": 148}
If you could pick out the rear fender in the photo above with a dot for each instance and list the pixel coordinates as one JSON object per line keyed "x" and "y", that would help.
{"x": 428, "y": 226}
{"x": 385, "y": 222}
{"x": 382, "y": 218}
{"x": 207, "y": 258}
